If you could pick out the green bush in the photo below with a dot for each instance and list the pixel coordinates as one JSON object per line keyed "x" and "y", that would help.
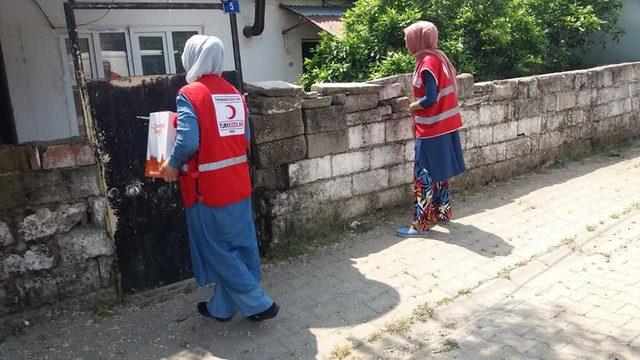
{"x": 491, "y": 39}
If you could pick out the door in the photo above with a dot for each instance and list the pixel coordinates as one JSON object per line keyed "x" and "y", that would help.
{"x": 150, "y": 232}
{"x": 7, "y": 127}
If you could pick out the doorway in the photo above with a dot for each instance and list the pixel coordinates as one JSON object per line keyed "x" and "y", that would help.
{"x": 7, "y": 125}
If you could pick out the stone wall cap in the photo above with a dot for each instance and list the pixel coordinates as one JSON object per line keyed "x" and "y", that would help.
{"x": 274, "y": 88}
{"x": 347, "y": 88}
{"x": 393, "y": 79}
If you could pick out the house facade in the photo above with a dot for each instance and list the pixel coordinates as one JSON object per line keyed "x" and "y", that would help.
{"x": 627, "y": 48}
{"x": 38, "y": 82}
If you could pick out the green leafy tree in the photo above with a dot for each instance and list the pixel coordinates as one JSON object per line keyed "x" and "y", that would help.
{"x": 489, "y": 38}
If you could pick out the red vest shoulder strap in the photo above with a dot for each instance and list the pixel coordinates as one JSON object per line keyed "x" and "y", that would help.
{"x": 195, "y": 91}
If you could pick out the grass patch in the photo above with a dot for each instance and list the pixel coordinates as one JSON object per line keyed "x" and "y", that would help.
{"x": 105, "y": 307}
{"x": 159, "y": 298}
{"x": 448, "y": 345}
{"x": 423, "y": 312}
{"x": 560, "y": 161}
{"x": 305, "y": 240}
{"x": 444, "y": 301}
{"x": 505, "y": 273}
{"x": 592, "y": 227}
{"x": 632, "y": 207}
{"x": 615, "y": 216}
{"x": 465, "y": 291}
{"x": 607, "y": 256}
{"x": 340, "y": 352}
{"x": 16, "y": 329}
{"x": 374, "y": 336}
{"x": 614, "y": 150}
{"x": 359, "y": 227}
{"x": 406, "y": 272}
{"x": 399, "y": 326}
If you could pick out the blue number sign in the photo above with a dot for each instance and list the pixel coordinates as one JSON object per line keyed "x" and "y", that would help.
{"x": 230, "y": 6}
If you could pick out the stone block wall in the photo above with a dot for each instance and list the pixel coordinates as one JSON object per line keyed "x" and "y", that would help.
{"x": 515, "y": 125}
{"x": 338, "y": 152}
{"x": 53, "y": 242}
{"x": 344, "y": 150}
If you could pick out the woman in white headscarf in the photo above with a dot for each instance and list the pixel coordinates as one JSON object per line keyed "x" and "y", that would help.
{"x": 211, "y": 153}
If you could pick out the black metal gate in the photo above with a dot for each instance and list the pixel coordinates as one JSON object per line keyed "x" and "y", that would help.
{"x": 150, "y": 234}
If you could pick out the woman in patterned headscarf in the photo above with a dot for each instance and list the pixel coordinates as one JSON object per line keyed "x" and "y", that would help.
{"x": 438, "y": 154}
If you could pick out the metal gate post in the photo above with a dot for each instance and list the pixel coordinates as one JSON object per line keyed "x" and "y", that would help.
{"x": 233, "y": 20}
{"x": 69, "y": 14}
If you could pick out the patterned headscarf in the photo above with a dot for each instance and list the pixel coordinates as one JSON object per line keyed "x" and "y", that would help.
{"x": 422, "y": 40}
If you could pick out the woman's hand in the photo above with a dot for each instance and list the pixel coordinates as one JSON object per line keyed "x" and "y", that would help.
{"x": 168, "y": 173}
{"x": 415, "y": 106}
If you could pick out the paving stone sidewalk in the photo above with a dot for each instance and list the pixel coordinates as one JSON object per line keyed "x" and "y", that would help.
{"x": 577, "y": 301}
{"x": 517, "y": 274}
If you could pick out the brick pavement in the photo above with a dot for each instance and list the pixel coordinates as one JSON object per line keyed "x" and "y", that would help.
{"x": 566, "y": 238}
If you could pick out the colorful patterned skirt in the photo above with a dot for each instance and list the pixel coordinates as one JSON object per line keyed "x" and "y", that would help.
{"x": 437, "y": 160}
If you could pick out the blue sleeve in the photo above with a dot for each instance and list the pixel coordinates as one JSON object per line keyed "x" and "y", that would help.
{"x": 430, "y": 90}
{"x": 188, "y": 139}
{"x": 247, "y": 126}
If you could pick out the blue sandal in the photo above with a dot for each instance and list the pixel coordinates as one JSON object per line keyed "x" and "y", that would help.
{"x": 410, "y": 232}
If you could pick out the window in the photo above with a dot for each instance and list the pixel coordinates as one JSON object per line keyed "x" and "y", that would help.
{"x": 179, "y": 39}
{"x": 150, "y": 53}
{"x": 159, "y": 52}
{"x": 87, "y": 56}
{"x": 125, "y": 52}
{"x": 308, "y": 46}
{"x": 114, "y": 55}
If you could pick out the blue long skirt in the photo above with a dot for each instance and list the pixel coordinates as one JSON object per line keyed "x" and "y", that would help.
{"x": 224, "y": 251}
{"x": 441, "y": 156}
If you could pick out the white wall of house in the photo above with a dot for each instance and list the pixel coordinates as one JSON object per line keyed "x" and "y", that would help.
{"x": 628, "y": 48}
{"x": 34, "y": 74}
{"x": 40, "y": 77}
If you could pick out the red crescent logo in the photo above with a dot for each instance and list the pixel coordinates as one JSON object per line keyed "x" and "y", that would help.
{"x": 233, "y": 112}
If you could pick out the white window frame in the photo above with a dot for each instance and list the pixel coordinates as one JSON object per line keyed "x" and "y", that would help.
{"x": 137, "y": 53}
{"x": 134, "y": 60}
{"x": 92, "y": 52}
{"x": 167, "y": 36}
{"x": 98, "y": 54}
{"x": 69, "y": 76}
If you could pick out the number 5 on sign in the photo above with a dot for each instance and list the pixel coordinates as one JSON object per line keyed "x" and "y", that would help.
{"x": 230, "y": 6}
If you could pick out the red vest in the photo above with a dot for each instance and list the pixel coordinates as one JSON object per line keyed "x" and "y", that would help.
{"x": 218, "y": 174}
{"x": 443, "y": 116}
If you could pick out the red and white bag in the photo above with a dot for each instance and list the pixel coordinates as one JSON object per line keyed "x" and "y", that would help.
{"x": 162, "y": 136}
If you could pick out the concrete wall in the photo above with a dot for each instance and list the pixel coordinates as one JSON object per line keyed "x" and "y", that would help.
{"x": 40, "y": 81}
{"x": 35, "y": 74}
{"x": 53, "y": 242}
{"x": 348, "y": 149}
{"x": 628, "y": 48}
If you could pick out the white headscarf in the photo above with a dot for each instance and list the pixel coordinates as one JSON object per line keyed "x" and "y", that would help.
{"x": 202, "y": 55}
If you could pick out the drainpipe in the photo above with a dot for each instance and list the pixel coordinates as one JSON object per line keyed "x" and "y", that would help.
{"x": 258, "y": 23}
